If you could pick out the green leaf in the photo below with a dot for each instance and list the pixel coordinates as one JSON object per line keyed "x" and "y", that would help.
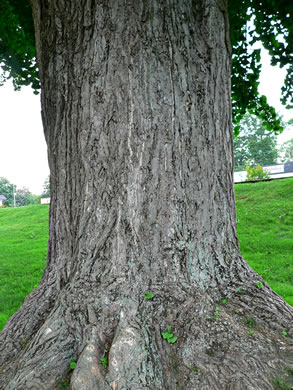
{"x": 172, "y": 340}
{"x": 104, "y": 361}
{"x": 148, "y": 295}
{"x": 72, "y": 364}
{"x": 259, "y": 284}
{"x": 165, "y": 335}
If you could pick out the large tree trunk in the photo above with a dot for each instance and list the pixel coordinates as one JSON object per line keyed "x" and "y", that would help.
{"x": 137, "y": 117}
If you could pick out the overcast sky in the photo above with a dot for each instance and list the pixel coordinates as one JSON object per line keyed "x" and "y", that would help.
{"x": 23, "y": 151}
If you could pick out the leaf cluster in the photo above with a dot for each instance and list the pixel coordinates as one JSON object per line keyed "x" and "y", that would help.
{"x": 17, "y": 44}
{"x": 148, "y": 295}
{"x": 104, "y": 361}
{"x": 72, "y": 364}
{"x": 169, "y": 336}
{"x": 269, "y": 22}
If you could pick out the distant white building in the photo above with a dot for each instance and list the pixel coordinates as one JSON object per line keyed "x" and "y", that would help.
{"x": 2, "y": 198}
{"x": 45, "y": 200}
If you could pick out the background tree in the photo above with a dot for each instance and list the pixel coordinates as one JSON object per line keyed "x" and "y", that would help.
{"x": 286, "y": 151}
{"x": 34, "y": 199}
{"x": 22, "y": 197}
{"x": 46, "y": 188}
{"x": 254, "y": 144}
{"x": 137, "y": 118}
{"x": 7, "y": 188}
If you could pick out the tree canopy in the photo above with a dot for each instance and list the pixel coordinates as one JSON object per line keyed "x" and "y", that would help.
{"x": 272, "y": 26}
{"x": 17, "y": 44}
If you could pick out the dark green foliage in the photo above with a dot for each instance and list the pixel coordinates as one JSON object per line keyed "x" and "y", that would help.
{"x": 273, "y": 26}
{"x": 250, "y": 322}
{"x": 17, "y": 44}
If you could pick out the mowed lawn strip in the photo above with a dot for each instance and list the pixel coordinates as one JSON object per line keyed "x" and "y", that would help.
{"x": 23, "y": 250}
{"x": 264, "y": 224}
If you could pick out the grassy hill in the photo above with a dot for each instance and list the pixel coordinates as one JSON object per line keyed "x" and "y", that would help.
{"x": 264, "y": 220}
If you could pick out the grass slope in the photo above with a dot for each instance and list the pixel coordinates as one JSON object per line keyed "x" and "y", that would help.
{"x": 23, "y": 249}
{"x": 264, "y": 223}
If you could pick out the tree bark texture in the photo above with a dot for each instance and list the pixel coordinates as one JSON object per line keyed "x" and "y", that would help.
{"x": 137, "y": 118}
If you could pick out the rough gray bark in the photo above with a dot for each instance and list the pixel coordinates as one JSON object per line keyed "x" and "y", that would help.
{"x": 137, "y": 117}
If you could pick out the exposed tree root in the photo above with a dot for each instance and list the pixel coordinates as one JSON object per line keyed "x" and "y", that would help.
{"x": 22, "y": 326}
{"x": 241, "y": 341}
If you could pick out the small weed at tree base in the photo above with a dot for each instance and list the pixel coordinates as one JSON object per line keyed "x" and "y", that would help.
{"x": 148, "y": 295}
{"x": 104, "y": 361}
{"x": 217, "y": 314}
{"x": 72, "y": 364}
{"x": 250, "y": 322}
{"x": 195, "y": 370}
{"x": 169, "y": 336}
{"x": 259, "y": 284}
{"x": 281, "y": 384}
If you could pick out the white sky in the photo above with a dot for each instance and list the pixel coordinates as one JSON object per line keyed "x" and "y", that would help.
{"x": 23, "y": 151}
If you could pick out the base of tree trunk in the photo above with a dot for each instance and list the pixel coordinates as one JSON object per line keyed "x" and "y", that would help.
{"x": 240, "y": 340}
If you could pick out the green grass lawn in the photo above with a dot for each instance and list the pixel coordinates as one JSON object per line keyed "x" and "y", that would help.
{"x": 265, "y": 220}
{"x": 265, "y": 231}
{"x": 23, "y": 249}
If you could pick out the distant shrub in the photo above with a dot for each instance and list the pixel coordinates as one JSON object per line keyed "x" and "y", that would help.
{"x": 257, "y": 173}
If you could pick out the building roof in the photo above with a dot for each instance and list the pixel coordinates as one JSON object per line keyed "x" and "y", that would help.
{"x": 2, "y": 197}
